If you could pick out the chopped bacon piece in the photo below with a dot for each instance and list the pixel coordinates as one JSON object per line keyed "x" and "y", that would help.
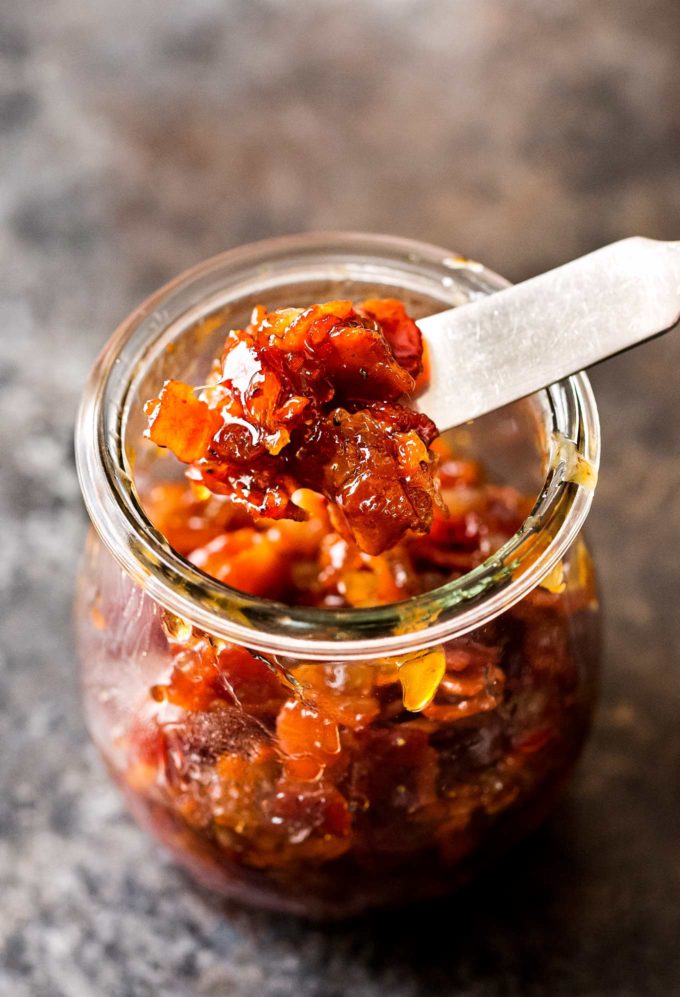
{"x": 180, "y": 421}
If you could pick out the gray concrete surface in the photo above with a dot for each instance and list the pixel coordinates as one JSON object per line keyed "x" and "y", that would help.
{"x": 136, "y": 138}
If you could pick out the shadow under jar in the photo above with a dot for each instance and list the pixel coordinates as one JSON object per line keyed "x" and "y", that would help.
{"x": 287, "y": 771}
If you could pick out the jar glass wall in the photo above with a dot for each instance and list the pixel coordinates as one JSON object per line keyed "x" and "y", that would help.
{"x": 327, "y": 761}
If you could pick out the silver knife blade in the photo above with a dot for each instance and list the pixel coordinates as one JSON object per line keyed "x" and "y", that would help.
{"x": 490, "y": 352}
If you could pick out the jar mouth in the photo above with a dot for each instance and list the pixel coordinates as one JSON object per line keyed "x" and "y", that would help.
{"x": 566, "y": 410}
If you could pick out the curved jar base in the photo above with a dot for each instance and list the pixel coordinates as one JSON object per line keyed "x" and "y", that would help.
{"x": 372, "y": 805}
{"x": 345, "y": 888}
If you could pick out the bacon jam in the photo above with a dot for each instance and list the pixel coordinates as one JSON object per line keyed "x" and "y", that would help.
{"x": 327, "y": 788}
{"x": 310, "y": 399}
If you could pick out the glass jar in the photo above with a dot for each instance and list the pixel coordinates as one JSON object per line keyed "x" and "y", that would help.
{"x": 324, "y": 779}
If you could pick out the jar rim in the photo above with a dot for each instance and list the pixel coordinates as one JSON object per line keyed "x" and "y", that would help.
{"x": 394, "y": 629}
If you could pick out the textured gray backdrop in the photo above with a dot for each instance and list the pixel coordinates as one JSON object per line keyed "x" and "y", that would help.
{"x": 138, "y": 137}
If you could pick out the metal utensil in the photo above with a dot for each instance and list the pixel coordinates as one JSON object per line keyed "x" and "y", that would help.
{"x": 490, "y": 352}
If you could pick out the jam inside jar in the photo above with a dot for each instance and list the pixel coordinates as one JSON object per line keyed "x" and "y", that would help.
{"x": 327, "y": 760}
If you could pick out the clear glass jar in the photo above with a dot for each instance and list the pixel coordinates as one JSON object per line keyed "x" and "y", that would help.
{"x": 308, "y": 786}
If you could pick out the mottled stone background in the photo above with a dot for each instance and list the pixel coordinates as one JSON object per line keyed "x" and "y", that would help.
{"x": 138, "y": 137}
